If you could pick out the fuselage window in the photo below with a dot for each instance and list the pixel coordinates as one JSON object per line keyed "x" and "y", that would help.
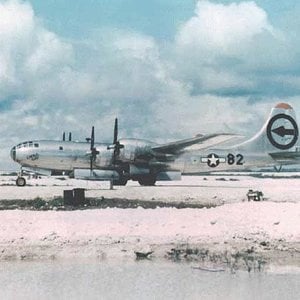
{"x": 61, "y": 148}
{"x": 36, "y": 145}
{"x": 30, "y": 144}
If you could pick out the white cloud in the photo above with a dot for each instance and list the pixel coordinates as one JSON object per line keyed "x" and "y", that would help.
{"x": 16, "y": 25}
{"x": 16, "y": 21}
{"x": 234, "y": 50}
{"x": 225, "y": 28}
{"x": 28, "y": 52}
{"x": 48, "y": 53}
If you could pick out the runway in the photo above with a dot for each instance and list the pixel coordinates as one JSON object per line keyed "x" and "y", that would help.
{"x": 230, "y": 231}
{"x": 215, "y": 190}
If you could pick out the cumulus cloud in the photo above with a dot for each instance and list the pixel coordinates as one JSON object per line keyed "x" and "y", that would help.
{"x": 28, "y": 52}
{"x": 226, "y": 28}
{"x": 234, "y": 50}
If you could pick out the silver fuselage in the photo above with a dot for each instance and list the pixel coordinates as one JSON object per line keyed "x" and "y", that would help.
{"x": 70, "y": 155}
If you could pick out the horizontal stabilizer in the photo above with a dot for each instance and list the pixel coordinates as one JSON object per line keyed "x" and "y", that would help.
{"x": 286, "y": 156}
{"x": 196, "y": 143}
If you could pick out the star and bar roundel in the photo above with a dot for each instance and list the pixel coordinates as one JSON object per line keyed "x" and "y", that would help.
{"x": 213, "y": 160}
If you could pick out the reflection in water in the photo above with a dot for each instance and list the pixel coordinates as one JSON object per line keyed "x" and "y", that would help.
{"x": 138, "y": 280}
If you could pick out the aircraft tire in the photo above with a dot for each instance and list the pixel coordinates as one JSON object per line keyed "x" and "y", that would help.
{"x": 147, "y": 181}
{"x": 21, "y": 181}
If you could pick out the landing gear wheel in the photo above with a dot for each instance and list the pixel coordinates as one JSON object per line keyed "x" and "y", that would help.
{"x": 147, "y": 181}
{"x": 20, "y": 181}
{"x": 120, "y": 181}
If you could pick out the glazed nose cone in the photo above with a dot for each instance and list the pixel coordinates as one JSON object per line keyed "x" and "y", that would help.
{"x": 13, "y": 153}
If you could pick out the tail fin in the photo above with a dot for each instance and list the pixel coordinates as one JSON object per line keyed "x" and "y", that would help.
{"x": 280, "y": 132}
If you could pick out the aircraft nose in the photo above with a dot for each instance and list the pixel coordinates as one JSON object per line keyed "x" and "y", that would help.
{"x": 13, "y": 153}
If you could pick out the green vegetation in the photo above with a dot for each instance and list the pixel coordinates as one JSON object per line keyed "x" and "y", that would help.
{"x": 93, "y": 203}
{"x": 246, "y": 259}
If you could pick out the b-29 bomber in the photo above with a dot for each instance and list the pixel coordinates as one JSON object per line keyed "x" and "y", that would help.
{"x": 276, "y": 144}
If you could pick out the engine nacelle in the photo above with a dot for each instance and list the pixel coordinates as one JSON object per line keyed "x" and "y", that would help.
{"x": 96, "y": 174}
{"x": 133, "y": 149}
{"x": 134, "y": 170}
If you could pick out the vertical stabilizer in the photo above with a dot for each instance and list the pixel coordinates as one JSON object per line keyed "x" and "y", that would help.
{"x": 280, "y": 132}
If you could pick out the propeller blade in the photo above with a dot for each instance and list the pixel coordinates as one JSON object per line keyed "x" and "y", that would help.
{"x": 92, "y": 138}
{"x": 116, "y": 144}
{"x": 93, "y": 154}
{"x": 115, "y": 131}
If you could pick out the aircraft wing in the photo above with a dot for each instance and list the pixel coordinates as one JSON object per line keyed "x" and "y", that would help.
{"x": 200, "y": 142}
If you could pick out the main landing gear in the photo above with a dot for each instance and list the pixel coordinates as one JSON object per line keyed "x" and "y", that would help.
{"x": 122, "y": 178}
{"x": 121, "y": 181}
{"x": 147, "y": 180}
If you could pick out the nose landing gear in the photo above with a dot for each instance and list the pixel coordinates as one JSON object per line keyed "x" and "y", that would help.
{"x": 21, "y": 181}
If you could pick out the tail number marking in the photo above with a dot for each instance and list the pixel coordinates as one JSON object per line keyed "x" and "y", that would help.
{"x": 235, "y": 159}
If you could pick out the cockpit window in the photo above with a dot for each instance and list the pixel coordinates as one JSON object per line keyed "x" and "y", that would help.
{"x": 27, "y": 144}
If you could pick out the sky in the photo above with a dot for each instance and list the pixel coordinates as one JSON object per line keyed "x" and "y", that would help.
{"x": 168, "y": 69}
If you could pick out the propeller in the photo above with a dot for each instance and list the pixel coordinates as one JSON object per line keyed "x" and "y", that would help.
{"x": 94, "y": 151}
{"x": 116, "y": 144}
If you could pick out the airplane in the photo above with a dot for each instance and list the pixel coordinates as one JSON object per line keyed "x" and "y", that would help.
{"x": 146, "y": 162}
